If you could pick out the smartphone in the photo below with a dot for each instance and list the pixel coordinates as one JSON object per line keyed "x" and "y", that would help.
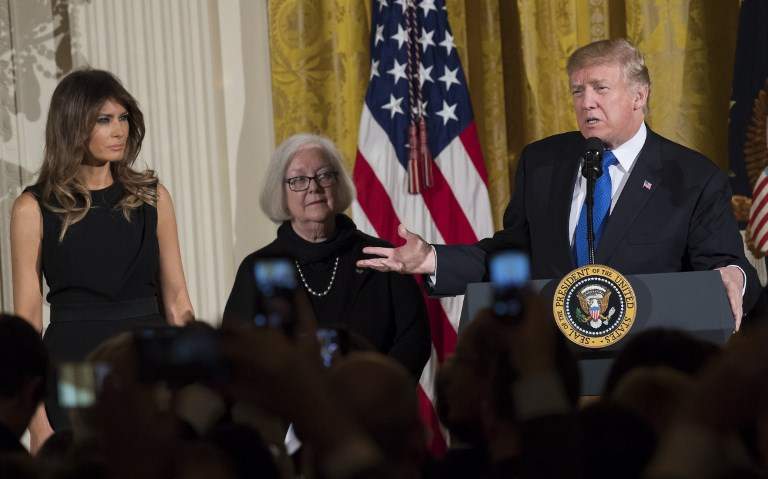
{"x": 275, "y": 292}
{"x": 180, "y": 355}
{"x": 509, "y": 273}
{"x": 333, "y": 344}
{"x": 79, "y": 383}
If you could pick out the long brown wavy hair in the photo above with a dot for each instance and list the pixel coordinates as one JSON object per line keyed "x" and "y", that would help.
{"x": 75, "y": 107}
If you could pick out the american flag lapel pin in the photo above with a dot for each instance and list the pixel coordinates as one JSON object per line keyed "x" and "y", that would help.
{"x": 647, "y": 185}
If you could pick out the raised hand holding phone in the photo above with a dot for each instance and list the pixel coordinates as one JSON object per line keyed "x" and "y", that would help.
{"x": 509, "y": 274}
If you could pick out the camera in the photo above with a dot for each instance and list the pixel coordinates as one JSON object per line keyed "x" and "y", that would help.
{"x": 509, "y": 273}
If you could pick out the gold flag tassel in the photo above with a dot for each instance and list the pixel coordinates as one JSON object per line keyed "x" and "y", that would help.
{"x": 426, "y": 156}
{"x": 419, "y": 157}
{"x": 414, "y": 183}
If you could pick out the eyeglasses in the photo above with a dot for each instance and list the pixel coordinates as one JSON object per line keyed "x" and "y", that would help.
{"x": 301, "y": 183}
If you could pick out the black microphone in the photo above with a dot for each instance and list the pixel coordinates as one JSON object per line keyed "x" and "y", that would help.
{"x": 592, "y": 166}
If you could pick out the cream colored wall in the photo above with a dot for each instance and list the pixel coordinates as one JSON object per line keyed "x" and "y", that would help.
{"x": 28, "y": 69}
{"x": 248, "y": 107}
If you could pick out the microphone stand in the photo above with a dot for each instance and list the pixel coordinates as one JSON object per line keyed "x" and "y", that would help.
{"x": 591, "y": 170}
{"x": 590, "y": 229}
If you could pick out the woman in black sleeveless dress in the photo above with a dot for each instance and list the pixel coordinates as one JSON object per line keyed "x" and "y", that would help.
{"x": 103, "y": 235}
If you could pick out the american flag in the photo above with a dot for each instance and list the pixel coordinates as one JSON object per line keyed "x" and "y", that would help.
{"x": 416, "y": 73}
{"x": 758, "y": 214}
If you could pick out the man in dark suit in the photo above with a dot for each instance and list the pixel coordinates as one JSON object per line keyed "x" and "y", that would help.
{"x": 666, "y": 207}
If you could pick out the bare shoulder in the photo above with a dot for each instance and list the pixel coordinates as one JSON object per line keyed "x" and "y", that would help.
{"x": 162, "y": 193}
{"x": 165, "y": 209}
{"x": 26, "y": 220}
{"x": 26, "y": 208}
{"x": 164, "y": 200}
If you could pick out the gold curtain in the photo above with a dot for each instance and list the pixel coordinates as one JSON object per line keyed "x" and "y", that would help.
{"x": 514, "y": 55}
{"x": 320, "y": 65}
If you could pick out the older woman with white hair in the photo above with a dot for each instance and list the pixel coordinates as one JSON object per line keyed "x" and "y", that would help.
{"x": 306, "y": 190}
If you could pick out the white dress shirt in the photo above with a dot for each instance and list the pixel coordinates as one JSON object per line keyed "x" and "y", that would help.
{"x": 626, "y": 154}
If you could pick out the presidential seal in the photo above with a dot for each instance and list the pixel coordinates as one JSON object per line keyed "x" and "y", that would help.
{"x": 594, "y": 306}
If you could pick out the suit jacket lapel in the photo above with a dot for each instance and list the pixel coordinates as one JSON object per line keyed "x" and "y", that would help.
{"x": 563, "y": 183}
{"x": 640, "y": 186}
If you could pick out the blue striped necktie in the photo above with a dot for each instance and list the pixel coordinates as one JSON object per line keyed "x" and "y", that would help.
{"x": 599, "y": 213}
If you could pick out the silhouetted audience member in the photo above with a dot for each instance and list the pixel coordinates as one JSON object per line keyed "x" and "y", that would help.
{"x": 57, "y": 447}
{"x": 660, "y": 347}
{"x": 120, "y": 356}
{"x": 19, "y": 466}
{"x": 461, "y": 391}
{"x": 198, "y": 460}
{"x": 676, "y": 407}
{"x": 284, "y": 377}
{"x": 761, "y": 431}
{"x": 23, "y": 374}
{"x": 654, "y": 393}
{"x": 57, "y": 451}
{"x": 613, "y": 441}
{"x": 380, "y": 394}
{"x": 511, "y": 386}
{"x": 729, "y": 395}
{"x": 84, "y": 467}
{"x": 245, "y": 449}
{"x": 131, "y": 428}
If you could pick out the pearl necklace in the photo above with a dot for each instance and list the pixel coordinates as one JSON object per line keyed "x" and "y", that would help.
{"x": 306, "y": 285}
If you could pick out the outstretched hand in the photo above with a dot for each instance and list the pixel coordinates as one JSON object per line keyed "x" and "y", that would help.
{"x": 416, "y": 256}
